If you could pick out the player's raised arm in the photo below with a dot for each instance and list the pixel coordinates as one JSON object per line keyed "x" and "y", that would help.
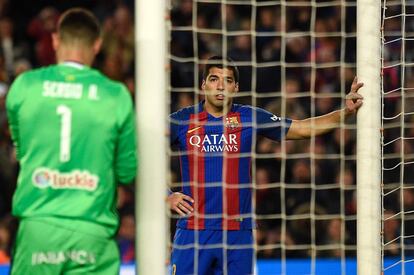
{"x": 319, "y": 125}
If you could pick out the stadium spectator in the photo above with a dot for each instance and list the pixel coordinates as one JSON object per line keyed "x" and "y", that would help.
{"x": 335, "y": 237}
{"x": 11, "y": 49}
{"x": 20, "y": 66}
{"x": 118, "y": 40}
{"x": 268, "y": 240}
{"x": 41, "y": 29}
{"x": 298, "y": 187}
{"x": 391, "y": 233}
{"x": 307, "y": 229}
{"x": 209, "y": 213}
{"x": 182, "y": 14}
{"x": 267, "y": 200}
{"x": 7, "y": 224}
{"x": 7, "y": 163}
{"x": 407, "y": 201}
{"x": 112, "y": 66}
{"x": 232, "y": 18}
{"x": 4, "y": 244}
{"x": 265, "y": 25}
{"x": 71, "y": 163}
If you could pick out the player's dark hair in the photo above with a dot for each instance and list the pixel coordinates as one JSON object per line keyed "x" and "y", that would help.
{"x": 78, "y": 25}
{"x": 221, "y": 62}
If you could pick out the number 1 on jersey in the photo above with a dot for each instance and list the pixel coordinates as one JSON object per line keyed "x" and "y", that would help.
{"x": 65, "y": 131}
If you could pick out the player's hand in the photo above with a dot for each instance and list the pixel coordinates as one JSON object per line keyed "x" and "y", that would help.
{"x": 180, "y": 203}
{"x": 354, "y": 99}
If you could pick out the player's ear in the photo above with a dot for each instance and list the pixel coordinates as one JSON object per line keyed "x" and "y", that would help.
{"x": 237, "y": 87}
{"x": 97, "y": 45}
{"x": 203, "y": 84}
{"x": 55, "y": 40}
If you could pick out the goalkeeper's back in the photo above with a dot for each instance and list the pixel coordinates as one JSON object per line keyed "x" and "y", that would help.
{"x": 74, "y": 133}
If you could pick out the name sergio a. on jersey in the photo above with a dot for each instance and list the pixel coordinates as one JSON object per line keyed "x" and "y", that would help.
{"x": 45, "y": 177}
{"x": 69, "y": 90}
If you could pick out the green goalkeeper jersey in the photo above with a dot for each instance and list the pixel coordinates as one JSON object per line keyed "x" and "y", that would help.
{"x": 74, "y": 133}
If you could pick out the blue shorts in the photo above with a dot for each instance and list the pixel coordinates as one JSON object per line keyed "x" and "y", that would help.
{"x": 235, "y": 258}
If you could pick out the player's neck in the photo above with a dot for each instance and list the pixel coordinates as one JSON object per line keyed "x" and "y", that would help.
{"x": 74, "y": 55}
{"x": 217, "y": 111}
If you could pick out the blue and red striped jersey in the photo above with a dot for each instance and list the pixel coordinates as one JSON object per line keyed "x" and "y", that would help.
{"x": 215, "y": 156}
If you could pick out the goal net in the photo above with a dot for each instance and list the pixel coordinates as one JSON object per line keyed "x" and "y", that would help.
{"x": 296, "y": 59}
{"x": 398, "y": 136}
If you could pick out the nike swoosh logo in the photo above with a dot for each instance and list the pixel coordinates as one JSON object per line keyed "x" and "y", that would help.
{"x": 194, "y": 129}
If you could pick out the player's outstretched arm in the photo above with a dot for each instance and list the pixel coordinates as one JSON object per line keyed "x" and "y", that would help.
{"x": 319, "y": 125}
{"x": 180, "y": 203}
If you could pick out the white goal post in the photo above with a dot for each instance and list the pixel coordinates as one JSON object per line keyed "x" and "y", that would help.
{"x": 151, "y": 48}
{"x": 369, "y": 138}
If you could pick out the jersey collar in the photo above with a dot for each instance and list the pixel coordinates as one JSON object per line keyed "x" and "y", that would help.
{"x": 74, "y": 64}
{"x": 200, "y": 107}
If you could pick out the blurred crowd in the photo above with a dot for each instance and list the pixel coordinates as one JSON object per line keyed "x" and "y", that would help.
{"x": 304, "y": 63}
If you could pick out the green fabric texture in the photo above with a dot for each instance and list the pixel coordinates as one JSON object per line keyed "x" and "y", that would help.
{"x": 43, "y": 248}
{"x": 74, "y": 131}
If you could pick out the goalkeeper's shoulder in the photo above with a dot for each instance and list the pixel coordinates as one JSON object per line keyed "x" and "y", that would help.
{"x": 25, "y": 76}
{"x": 114, "y": 88}
{"x": 19, "y": 89}
{"x": 30, "y": 78}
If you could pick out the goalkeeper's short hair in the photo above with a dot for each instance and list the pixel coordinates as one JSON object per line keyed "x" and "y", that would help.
{"x": 78, "y": 25}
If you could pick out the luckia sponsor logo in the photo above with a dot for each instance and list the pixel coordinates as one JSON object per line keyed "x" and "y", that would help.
{"x": 214, "y": 143}
{"x": 44, "y": 178}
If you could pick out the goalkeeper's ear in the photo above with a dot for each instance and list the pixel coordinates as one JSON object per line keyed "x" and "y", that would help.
{"x": 97, "y": 46}
{"x": 55, "y": 41}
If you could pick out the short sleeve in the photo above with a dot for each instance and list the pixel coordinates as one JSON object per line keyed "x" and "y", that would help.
{"x": 271, "y": 125}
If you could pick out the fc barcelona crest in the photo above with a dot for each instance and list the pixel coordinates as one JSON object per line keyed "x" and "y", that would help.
{"x": 231, "y": 122}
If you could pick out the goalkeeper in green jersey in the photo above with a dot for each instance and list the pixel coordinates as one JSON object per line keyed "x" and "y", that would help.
{"x": 74, "y": 133}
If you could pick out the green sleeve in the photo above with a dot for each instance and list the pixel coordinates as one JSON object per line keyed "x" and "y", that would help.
{"x": 13, "y": 102}
{"x": 126, "y": 157}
